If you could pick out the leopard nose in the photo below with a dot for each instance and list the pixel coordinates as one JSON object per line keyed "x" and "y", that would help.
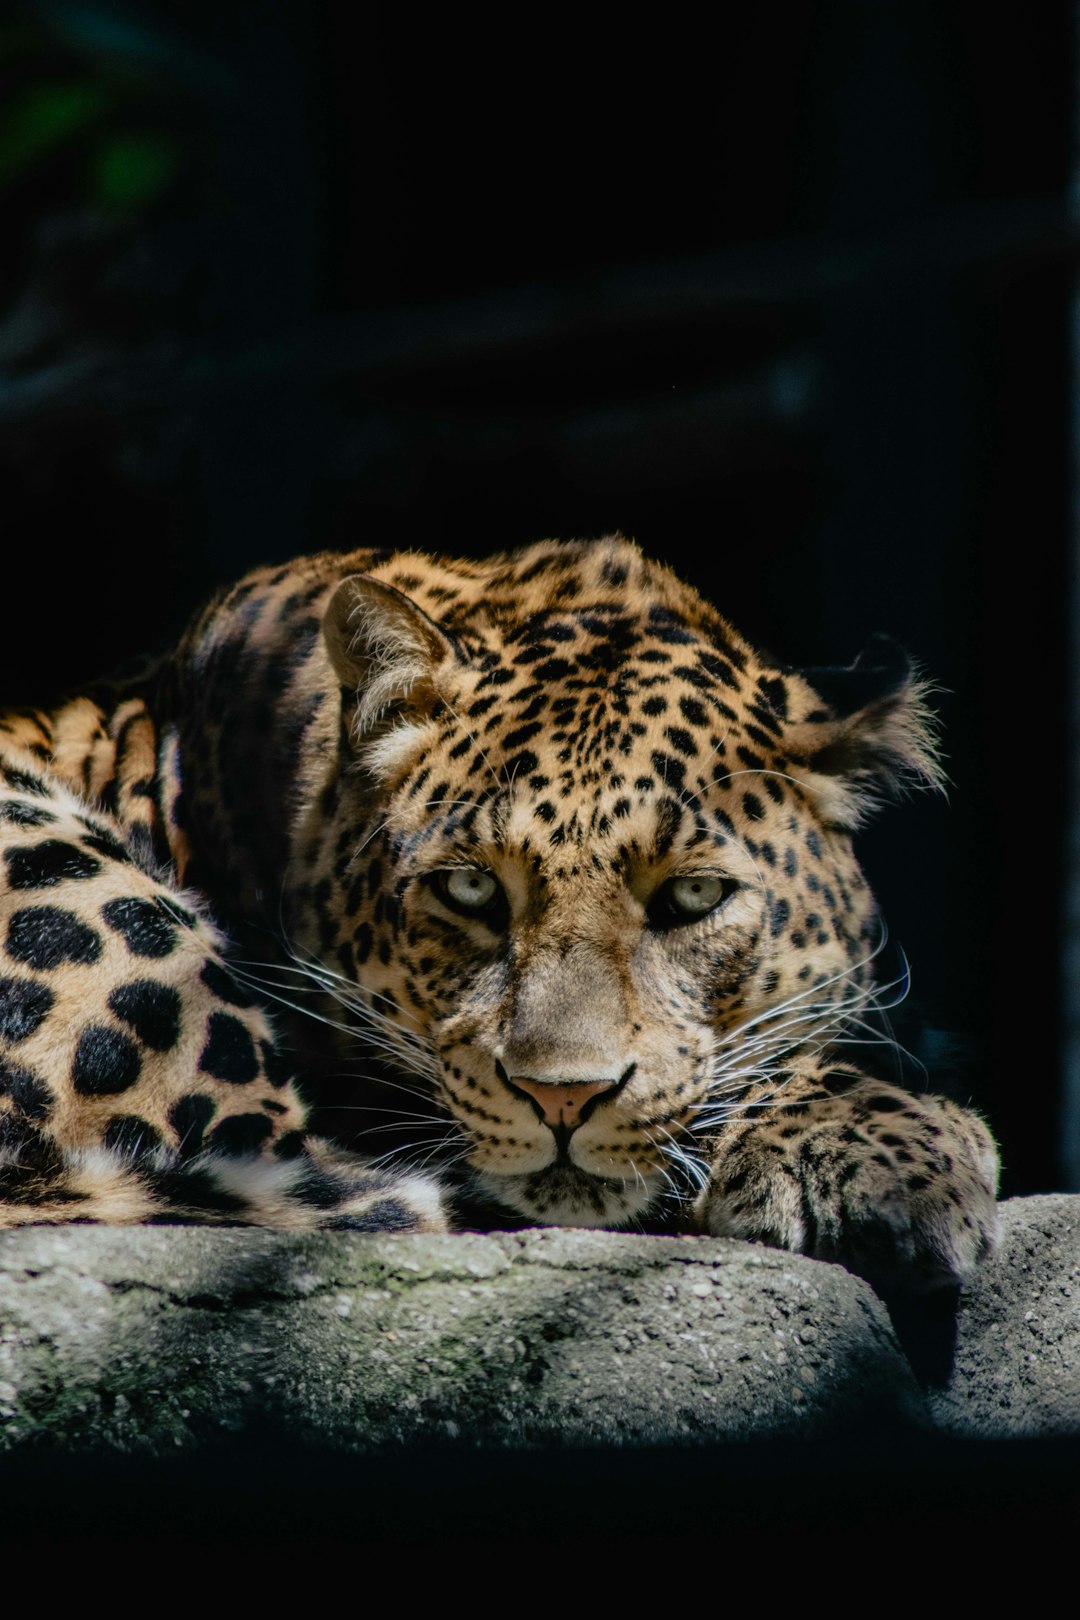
{"x": 563, "y": 1102}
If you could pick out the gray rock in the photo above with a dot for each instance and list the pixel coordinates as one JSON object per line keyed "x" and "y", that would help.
{"x": 1017, "y": 1365}
{"x": 157, "y": 1340}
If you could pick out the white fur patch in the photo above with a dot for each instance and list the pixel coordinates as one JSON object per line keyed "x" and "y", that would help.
{"x": 388, "y": 754}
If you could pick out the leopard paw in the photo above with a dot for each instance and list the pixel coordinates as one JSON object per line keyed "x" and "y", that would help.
{"x": 898, "y": 1189}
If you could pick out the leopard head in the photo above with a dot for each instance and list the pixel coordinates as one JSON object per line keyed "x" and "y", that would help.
{"x": 586, "y": 861}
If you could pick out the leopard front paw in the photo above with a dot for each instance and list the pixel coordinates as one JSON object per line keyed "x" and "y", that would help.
{"x": 897, "y": 1188}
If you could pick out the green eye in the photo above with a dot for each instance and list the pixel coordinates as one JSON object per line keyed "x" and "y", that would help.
{"x": 685, "y": 899}
{"x": 469, "y": 889}
{"x": 696, "y": 895}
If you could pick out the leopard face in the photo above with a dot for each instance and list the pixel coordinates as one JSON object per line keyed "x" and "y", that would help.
{"x": 581, "y": 861}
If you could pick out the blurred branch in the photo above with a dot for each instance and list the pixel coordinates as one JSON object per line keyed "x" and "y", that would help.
{"x": 164, "y": 372}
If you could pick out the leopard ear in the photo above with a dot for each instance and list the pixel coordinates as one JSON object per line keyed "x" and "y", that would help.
{"x": 386, "y": 653}
{"x": 866, "y": 733}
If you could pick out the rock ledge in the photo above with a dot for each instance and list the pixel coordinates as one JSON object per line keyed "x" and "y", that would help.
{"x": 161, "y": 1340}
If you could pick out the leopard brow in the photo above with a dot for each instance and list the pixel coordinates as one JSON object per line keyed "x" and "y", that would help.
{"x": 671, "y": 813}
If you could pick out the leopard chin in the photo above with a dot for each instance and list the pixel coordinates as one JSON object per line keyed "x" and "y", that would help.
{"x": 564, "y": 1195}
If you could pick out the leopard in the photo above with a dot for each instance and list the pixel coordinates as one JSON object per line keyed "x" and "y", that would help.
{"x": 407, "y": 893}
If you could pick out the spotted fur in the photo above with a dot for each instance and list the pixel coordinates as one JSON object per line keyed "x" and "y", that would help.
{"x": 530, "y": 869}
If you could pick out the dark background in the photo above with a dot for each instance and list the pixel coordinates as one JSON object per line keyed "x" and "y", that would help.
{"x": 786, "y": 297}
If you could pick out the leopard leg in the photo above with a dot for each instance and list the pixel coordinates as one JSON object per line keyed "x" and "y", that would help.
{"x": 845, "y": 1168}
{"x": 139, "y": 1078}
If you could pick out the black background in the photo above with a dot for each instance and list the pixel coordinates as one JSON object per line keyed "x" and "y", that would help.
{"x": 783, "y": 292}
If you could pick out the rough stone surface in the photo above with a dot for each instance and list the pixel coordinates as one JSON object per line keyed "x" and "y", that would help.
{"x": 155, "y": 1340}
{"x": 158, "y": 1341}
{"x": 1016, "y": 1371}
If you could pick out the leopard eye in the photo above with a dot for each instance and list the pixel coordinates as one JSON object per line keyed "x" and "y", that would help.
{"x": 469, "y": 889}
{"x": 686, "y": 899}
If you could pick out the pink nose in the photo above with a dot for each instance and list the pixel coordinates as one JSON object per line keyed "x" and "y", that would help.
{"x": 561, "y": 1102}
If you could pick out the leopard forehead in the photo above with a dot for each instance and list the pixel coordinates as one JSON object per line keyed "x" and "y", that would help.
{"x": 576, "y": 718}
{"x": 602, "y": 736}
{"x": 587, "y": 756}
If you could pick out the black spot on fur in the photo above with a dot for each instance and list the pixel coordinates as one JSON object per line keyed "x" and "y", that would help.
{"x": 670, "y": 771}
{"x": 388, "y": 1215}
{"x": 45, "y": 864}
{"x": 29, "y": 1094}
{"x": 224, "y": 986}
{"x": 127, "y": 1133}
{"x": 276, "y": 1065}
{"x": 24, "y": 782}
{"x": 152, "y": 1010}
{"x": 179, "y": 914}
{"x": 776, "y": 692}
{"x": 553, "y": 669}
{"x": 45, "y": 937}
{"x": 106, "y": 1062}
{"x": 319, "y": 1189}
{"x": 671, "y": 633}
{"x": 721, "y": 669}
{"x": 109, "y": 846}
{"x": 189, "y": 1118}
{"x": 143, "y": 928}
{"x": 693, "y": 711}
{"x": 522, "y": 764}
{"x": 240, "y": 1133}
{"x": 780, "y": 916}
{"x": 514, "y": 739}
{"x": 197, "y": 1190}
{"x": 681, "y": 740}
{"x": 229, "y": 1053}
{"x": 25, "y": 815}
{"x": 23, "y": 1005}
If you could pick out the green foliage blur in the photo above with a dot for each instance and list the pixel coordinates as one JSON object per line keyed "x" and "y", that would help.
{"x": 85, "y": 117}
